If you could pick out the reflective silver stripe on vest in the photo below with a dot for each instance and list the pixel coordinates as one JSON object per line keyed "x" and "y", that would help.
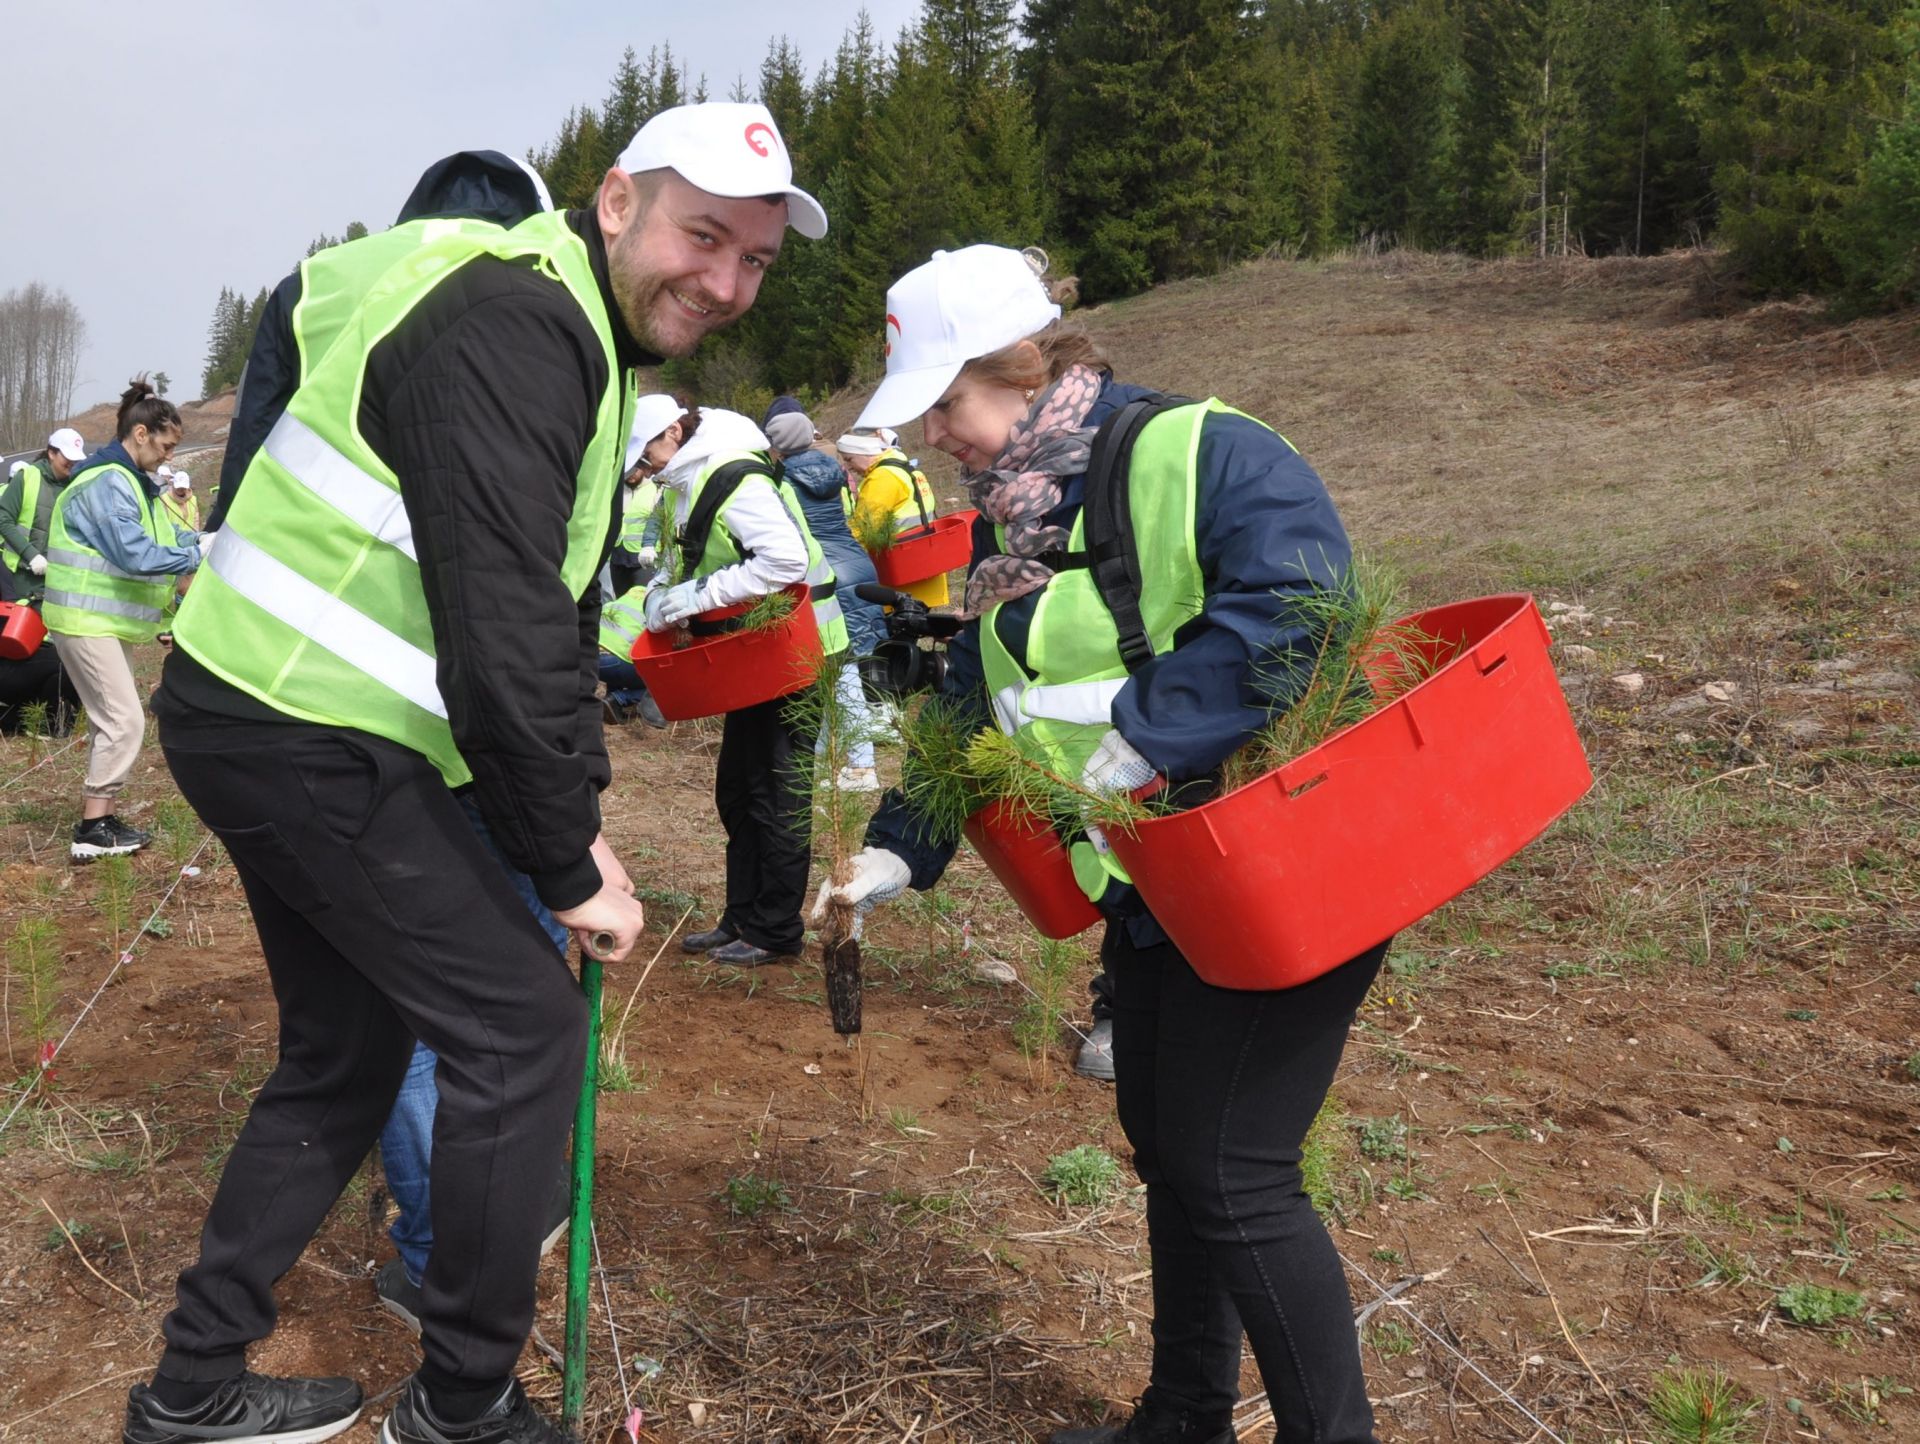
{"x": 92, "y": 562}
{"x": 324, "y": 470}
{"x": 112, "y": 606}
{"x": 1088, "y": 703}
{"x": 826, "y": 610}
{"x": 359, "y": 641}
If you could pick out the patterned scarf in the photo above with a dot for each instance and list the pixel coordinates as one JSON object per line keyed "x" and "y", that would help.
{"x": 1023, "y": 485}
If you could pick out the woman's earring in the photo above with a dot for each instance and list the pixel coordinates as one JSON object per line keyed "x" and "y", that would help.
{"x": 1029, "y": 393}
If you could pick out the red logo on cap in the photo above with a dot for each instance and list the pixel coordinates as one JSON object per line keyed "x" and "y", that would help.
{"x": 755, "y": 144}
{"x": 893, "y": 321}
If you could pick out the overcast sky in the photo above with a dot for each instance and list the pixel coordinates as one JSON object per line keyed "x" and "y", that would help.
{"x": 165, "y": 151}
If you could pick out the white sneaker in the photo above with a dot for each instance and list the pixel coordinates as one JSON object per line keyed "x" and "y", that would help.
{"x": 857, "y": 779}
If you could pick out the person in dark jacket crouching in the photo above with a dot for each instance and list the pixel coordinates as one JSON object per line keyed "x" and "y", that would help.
{"x": 1215, "y": 1088}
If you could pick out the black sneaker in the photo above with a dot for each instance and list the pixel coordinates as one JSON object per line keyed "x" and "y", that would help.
{"x": 398, "y": 1294}
{"x": 1152, "y": 1423}
{"x": 511, "y": 1420}
{"x": 649, "y": 712}
{"x": 106, "y": 837}
{"x": 249, "y": 1409}
{"x": 615, "y": 714}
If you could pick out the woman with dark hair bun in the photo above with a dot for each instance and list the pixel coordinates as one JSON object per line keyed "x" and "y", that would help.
{"x": 114, "y": 562}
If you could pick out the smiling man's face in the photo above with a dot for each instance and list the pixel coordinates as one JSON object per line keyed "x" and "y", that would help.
{"x": 684, "y": 263}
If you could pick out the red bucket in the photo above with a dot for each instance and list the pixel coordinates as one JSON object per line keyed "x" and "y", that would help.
{"x": 21, "y": 631}
{"x": 1031, "y": 862}
{"x": 730, "y": 670}
{"x": 927, "y": 552}
{"x": 1291, "y": 875}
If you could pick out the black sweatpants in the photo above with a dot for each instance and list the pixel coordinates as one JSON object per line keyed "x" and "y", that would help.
{"x": 760, "y": 788}
{"x": 383, "y": 918}
{"x": 1216, "y": 1090}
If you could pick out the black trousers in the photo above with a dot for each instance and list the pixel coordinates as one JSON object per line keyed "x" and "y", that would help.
{"x": 1216, "y": 1090}
{"x": 39, "y": 678}
{"x": 383, "y": 918}
{"x": 760, "y": 788}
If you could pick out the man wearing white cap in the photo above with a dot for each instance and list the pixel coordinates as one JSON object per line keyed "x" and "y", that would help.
{"x": 26, "y": 511}
{"x": 401, "y": 602}
{"x": 181, "y": 504}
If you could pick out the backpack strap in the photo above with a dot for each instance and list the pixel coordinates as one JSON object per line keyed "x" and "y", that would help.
{"x": 1112, "y": 553}
{"x": 718, "y": 491}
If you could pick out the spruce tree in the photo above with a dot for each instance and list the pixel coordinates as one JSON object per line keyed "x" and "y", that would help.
{"x": 1399, "y": 141}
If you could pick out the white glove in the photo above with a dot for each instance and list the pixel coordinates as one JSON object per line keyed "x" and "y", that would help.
{"x": 38, "y": 566}
{"x": 667, "y": 607}
{"x": 878, "y": 876}
{"x": 647, "y": 556}
{"x": 1116, "y": 767}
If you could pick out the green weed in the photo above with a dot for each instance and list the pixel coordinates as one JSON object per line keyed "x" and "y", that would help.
{"x": 748, "y": 1195}
{"x": 1086, "y": 1176}
{"x": 1815, "y": 1305}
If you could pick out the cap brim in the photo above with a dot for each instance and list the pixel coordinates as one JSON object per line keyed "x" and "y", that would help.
{"x": 907, "y": 395}
{"x": 79, "y": 454}
{"x": 805, "y": 214}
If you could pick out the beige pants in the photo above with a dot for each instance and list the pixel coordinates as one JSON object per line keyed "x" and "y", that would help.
{"x": 102, "y": 672}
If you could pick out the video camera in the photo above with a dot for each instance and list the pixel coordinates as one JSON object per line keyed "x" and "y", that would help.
{"x": 900, "y": 666}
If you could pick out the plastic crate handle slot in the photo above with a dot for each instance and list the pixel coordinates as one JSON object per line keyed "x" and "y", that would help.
{"x": 1489, "y": 667}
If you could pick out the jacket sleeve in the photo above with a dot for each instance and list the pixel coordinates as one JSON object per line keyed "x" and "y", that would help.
{"x": 1267, "y": 533}
{"x": 486, "y": 428}
{"x": 109, "y": 522}
{"x": 11, "y": 531}
{"x": 776, "y": 551}
{"x": 894, "y": 825}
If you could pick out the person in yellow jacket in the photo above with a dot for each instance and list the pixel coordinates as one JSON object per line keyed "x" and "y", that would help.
{"x": 890, "y": 491}
{"x": 179, "y": 500}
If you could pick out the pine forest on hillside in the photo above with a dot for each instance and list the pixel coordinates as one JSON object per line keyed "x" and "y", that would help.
{"x": 1140, "y": 142}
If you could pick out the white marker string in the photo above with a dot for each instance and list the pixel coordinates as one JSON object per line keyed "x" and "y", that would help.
{"x": 613, "y": 1331}
{"x": 23, "y": 775}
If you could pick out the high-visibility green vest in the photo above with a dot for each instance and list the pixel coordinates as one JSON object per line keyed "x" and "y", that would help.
{"x": 30, "y": 476}
{"x": 919, "y": 508}
{"x": 622, "y": 621}
{"x": 87, "y": 595}
{"x": 311, "y": 599}
{"x": 641, "y": 501}
{"x": 1056, "y": 699}
{"x": 722, "y": 550}
{"x": 185, "y": 510}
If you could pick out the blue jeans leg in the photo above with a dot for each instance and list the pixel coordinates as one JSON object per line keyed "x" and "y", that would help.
{"x": 406, "y": 1143}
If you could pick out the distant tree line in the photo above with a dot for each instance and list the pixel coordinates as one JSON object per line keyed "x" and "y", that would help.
{"x": 1141, "y": 141}
{"x": 235, "y": 319}
{"x": 41, "y": 336}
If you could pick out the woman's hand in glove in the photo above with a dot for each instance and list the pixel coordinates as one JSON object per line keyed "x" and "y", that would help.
{"x": 667, "y": 607}
{"x": 878, "y": 876}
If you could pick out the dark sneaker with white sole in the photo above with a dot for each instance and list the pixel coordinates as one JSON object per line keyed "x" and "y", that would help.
{"x": 511, "y": 1420}
{"x": 106, "y": 837}
{"x": 248, "y": 1409}
{"x": 398, "y": 1294}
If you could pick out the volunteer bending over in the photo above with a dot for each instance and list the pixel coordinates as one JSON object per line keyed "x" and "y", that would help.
{"x": 1215, "y": 1088}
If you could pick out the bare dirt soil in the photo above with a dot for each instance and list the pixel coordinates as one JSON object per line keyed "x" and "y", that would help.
{"x": 1644, "y": 1101}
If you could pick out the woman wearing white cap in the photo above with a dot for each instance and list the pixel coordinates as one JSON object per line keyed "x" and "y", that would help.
{"x": 742, "y": 536}
{"x": 1216, "y": 1088}
{"x": 26, "y": 511}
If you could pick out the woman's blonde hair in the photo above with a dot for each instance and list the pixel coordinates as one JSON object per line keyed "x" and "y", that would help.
{"x": 1061, "y": 347}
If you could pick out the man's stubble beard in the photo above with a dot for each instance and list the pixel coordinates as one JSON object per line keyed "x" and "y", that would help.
{"x": 637, "y": 300}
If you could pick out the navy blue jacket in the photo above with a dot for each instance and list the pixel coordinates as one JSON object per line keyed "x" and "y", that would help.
{"x": 1266, "y": 528}
{"x": 818, "y": 484}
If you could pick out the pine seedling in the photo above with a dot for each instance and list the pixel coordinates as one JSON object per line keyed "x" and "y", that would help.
{"x": 117, "y": 884}
{"x": 1037, "y": 1025}
{"x": 33, "y": 981}
{"x": 838, "y": 820}
{"x": 1699, "y": 1406}
{"x": 765, "y": 613}
{"x": 872, "y": 529}
{"x": 33, "y": 726}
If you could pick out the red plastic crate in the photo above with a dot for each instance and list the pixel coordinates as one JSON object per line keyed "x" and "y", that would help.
{"x": 923, "y": 554}
{"x": 730, "y": 670}
{"x": 1289, "y": 876}
{"x": 1031, "y": 861}
{"x": 21, "y": 631}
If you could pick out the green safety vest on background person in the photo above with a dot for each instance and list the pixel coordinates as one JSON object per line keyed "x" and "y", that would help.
{"x": 1056, "y": 701}
{"x": 723, "y": 551}
{"x": 622, "y": 621}
{"x": 30, "y": 476}
{"x": 638, "y": 506}
{"x": 311, "y": 599}
{"x": 87, "y": 595}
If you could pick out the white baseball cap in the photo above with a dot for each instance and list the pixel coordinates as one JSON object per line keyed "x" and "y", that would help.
{"x": 652, "y": 414}
{"x": 181, "y": 481}
{"x": 960, "y": 305}
{"x": 67, "y": 442}
{"x": 726, "y": 149}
